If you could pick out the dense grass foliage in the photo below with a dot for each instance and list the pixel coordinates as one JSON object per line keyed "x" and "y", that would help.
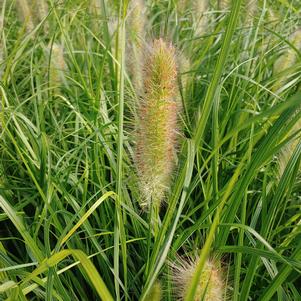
{"x": 82, "y": 81}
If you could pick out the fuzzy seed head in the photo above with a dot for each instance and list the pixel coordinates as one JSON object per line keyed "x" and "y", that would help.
{"x": 157, "y": 123}
{"x": 57, "y": 64}
{"x": 211, "y": 285}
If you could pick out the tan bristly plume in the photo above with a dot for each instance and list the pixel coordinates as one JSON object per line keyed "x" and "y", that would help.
{"x": 156, "y": 134}
{"x": 211, "y": 285}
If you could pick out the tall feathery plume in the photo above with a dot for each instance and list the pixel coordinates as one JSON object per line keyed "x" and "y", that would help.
{"x": 57, "y": 65}
{"x": 157, "y": 124}
{"x": 136, "y": 32}
{"x": 211, "y": 285}
{"x": 25, "y": 14}
{"x": 287, "y": 59}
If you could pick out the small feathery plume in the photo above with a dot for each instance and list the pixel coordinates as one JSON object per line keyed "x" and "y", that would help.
{"x": 136, "y": 31}
{"x": 157, "y": 123}
{"x": 25, "y": 14}
{"x": 287, "y": 59}
{"x": 155, "y": 293}
{"x": 211, "y": 285}
{"x": 57, "y": 65}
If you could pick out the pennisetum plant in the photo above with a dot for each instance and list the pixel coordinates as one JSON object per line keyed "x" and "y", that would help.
{"x": 156, "y": 132}
{"x": 211, "y": 286}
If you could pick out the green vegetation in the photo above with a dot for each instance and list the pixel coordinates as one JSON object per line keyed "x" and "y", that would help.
{"x": 191, "y": 107}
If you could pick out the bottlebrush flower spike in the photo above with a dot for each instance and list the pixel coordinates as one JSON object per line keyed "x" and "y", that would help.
{"x": 57, "y": 65}
{"x": 211, "y": 286}
{"x": 157, "y": 123}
